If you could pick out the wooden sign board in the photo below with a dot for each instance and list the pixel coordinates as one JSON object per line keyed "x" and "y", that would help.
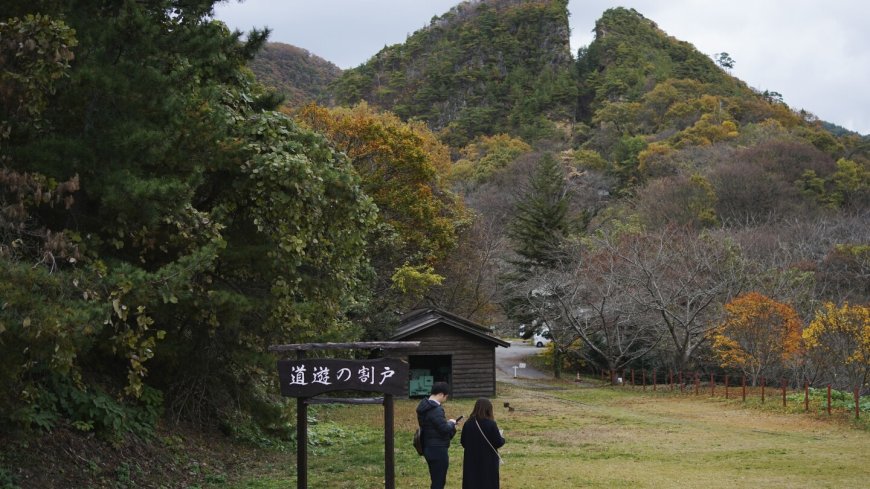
{"x": 311, "y": 377}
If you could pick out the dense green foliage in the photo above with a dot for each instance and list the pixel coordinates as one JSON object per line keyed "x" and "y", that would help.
{"x": 541, "y": 222}
{"x": 483, "y": 68}
{"x": 174, "y": 236}
{"x": 297, "y": 74}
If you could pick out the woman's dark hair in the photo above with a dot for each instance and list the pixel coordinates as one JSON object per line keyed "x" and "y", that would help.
{"x": 482, "y": 409}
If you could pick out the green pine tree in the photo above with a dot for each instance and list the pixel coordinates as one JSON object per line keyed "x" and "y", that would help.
{"x": 160, "y": 226}
{"x": 541, "y": 222}
{"x": 539, "y": 231}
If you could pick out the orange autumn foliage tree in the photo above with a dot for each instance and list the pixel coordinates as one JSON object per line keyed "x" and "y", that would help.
{"x": 757, "y": 334}
{"x": 838, "y": 340}
{"x": 402, "y": 166}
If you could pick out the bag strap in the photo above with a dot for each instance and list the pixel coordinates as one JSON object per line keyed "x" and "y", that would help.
{"x": 487, "y": 439}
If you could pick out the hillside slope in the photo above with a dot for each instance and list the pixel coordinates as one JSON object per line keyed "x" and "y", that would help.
{"x": 298, "y": 74}
{"x": 483, "y": 67}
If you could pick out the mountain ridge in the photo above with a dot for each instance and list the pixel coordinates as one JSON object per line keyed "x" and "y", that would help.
{"x": 298, "y": 74}
{"x": 481, "y": 68}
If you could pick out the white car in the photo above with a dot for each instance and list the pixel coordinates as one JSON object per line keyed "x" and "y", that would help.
{"x": 541, "y": 338}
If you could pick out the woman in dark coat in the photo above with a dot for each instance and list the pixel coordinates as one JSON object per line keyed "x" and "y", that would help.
{"x": 480, "y": 439}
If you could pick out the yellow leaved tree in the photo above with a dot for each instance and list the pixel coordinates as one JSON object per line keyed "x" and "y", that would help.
{"x": 758, "y": 333}
{"x": 838, "y": 342}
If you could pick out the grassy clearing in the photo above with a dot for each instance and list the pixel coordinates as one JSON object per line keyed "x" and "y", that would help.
{"x": 600, "y": 437}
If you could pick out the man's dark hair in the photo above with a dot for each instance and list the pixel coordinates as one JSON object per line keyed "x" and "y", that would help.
{"x": 440, "y": 388}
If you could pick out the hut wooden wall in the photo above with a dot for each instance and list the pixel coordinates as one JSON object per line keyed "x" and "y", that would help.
{"x": 473, "y": 366}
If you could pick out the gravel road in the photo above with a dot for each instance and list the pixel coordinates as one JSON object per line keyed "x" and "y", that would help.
{"x": 506, "y": 358}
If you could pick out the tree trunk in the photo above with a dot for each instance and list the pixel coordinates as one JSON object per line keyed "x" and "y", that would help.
{"x": 557, "y": 362}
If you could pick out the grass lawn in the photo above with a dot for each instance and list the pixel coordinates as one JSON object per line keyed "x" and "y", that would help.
{"x": 570, "y": 437}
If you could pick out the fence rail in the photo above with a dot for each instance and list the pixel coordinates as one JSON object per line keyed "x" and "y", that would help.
{"x": 687, "y": 382}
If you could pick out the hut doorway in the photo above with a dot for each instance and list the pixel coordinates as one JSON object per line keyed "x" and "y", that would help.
{"x": 425, "y": 370}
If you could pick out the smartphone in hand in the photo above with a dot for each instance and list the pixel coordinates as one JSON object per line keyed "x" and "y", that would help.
{"x": 459, "y": 419}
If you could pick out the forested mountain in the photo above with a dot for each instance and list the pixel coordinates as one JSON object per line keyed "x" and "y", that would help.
{"x": 640, "y": 200}
{"x": 294, "y": 72}
{"x": 838, "y": 130}
{"x": 631, "y": 54}
{"x": 481, "y": 68}
{"x": 712, "y": 189}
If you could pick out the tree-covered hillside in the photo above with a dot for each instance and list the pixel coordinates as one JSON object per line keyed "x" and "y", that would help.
{"x": 300, "y": 76}
{"x": 482, "y": 68}
{"x": 630, "y": 55}
{"x": 648, "y": 101}
{"x": 713, "y": 190}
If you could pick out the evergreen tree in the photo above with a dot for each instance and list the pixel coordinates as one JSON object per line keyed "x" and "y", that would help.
{"x": 541, "y": 222}
{"x": 158, "y": 227}
{"x": 539, "y": 229}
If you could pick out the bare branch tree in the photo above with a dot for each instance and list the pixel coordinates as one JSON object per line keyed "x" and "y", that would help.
{"x": 471, "y": 273}
{"x": 685, "y": 278}
{"x": 589, "y": 299}
{"x": 615, "y": 329}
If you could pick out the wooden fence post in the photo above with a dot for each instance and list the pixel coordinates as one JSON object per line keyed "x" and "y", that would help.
{"x": 712, "y": 386}
{"x": 857, "y": 403}
{"x": 743, "y": 382}
{"x": 783, "y": 392}
{"x": 806, "y": 396}
{"x": 829, "y": 399}
{"x": 643, "y": 374}
{"x": 726, "y": 386}
{"x": 697, "y": 383}
{"x": 762, "y": 390}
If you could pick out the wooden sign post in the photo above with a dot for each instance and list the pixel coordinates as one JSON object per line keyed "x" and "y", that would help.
{"x": 305, "y": 378}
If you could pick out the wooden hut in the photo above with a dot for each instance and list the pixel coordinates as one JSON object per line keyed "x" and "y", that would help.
{"x": 452, "y": 349}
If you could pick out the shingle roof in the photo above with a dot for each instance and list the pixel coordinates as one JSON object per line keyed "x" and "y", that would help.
{"x": 421, "y": 319}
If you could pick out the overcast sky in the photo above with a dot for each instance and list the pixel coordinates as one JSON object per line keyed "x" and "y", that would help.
{"x": 815, "y": 53}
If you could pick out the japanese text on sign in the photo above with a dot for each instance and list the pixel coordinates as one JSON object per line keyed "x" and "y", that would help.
{"x": 305, "y": 378}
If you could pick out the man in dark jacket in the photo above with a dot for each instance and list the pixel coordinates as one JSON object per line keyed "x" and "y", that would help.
{"x": 436, "y": 432}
